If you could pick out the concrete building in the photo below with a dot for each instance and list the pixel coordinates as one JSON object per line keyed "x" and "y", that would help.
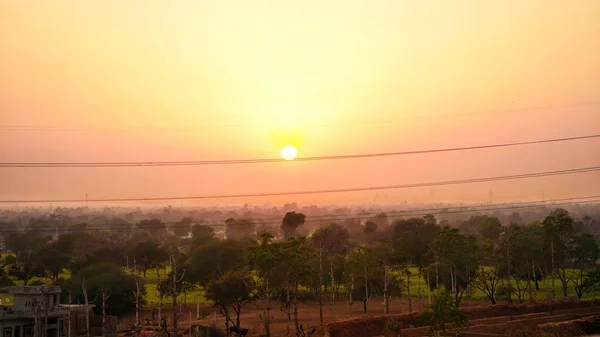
{"x": 24, "y": 311}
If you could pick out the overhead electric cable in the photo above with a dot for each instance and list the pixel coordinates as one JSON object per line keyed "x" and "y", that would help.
{"x": 326, "y": 191}
{"x": 411, "y": 213}
{"x": 274, "y": 160}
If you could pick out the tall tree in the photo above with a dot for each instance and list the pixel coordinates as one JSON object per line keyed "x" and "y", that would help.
{"x": 182, "y": 227}
{"x": 331, "y": 242}
{"x": 455, "y": 260}
{"x": 290, "y": 223}
{"x": 239, "y": 229}
{"x": 231, "y": 291}
{"x": 149, "y": 254}
{"x": 214, "y": 259}
{"x": 584, "y": 254}
{"x": 559, "y": 232}
{"x": 99, "y": 277}
{"x": 154, "y": 227}
{"x": 488, "y": 277}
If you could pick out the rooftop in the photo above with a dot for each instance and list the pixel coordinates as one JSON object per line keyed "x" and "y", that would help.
{"x": 34, "y": 290}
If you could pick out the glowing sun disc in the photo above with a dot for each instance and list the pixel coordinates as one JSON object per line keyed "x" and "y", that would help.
{"x": 289, "y": 152}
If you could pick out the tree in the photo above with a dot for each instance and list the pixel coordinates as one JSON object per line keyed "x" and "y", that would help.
{"x": 148, "y": 255}
{"x": 290, "y": 223}
{"x": 589, "y": 282}
{"x": 214, "y": 259}
{"x": 265, "y": 259}
{"x": 173, "y": 285}
{"x": 584, "y": 254}
{"x": 487, "y": 227}
{"x": 201, "y": 234}
{"x": 381, "y": 219}
{"x": 52, "y": 261}
{"x": 488, "y": 276}
{"x": 362, "y": 264}
{"x": 413, "y": 237}
{"x": 387, "y": 259}
{"x": 455, "y": 260}
{"x": 231, "y": 291}
{"x": 443, "y": 311}
{"x": 490, "y": 229}
{"x": 154, "y": 227}
{"x": 559, "y": 232}
{"x": 239, "y": 229}
{"x": 103, "y": 276}
{"x": 523, "y": 252}
{"x": 183, "y": 227}
{"x": 332, "y": 242}
{"x": 24, "y": 267}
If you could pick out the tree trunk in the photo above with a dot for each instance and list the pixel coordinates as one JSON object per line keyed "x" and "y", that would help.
{"x": 419, "y": 290}
{"x": 366, "y": 290}
{"x": 331, "y": 273}
{"x": 408, "y": 291}
{"x": 552, "y": 277}
{"x": 46, "y": 308}
{"x": 237, "y": 319}
{"x": 289, "y": 307}
{"x": 296, "y": 307}
{"x": 174, "y": 294}
{"x": 36, "y": 327}
{"x": 321, "y": 273}
{"x": 564, "y": 282}
{"x": 137, "y": 304}
{"x": 103, "y": 311}
{"x": 268, "y": 314}
{"x": 160, "y": 296}
{"x": 386, "y": 306}
{"x": 69, "y": 315}
{"x": 428, "y": 289}
{"x": 87, "y": 307}
{"x": 437, "y": 275}
{"x": 350, "y": 303}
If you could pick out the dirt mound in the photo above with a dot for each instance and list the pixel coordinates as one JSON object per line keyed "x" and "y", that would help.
{"x": 576, "y": 327}
{"x": 367, "y": 327}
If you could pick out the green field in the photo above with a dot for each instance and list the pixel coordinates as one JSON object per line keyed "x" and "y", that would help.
{"x": 418, "y": 288}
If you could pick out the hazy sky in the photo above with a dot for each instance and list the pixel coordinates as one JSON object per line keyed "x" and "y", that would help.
{"x": 200, "y": 80}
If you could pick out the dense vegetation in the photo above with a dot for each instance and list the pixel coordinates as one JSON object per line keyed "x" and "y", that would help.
{"x": 354, "y": 258}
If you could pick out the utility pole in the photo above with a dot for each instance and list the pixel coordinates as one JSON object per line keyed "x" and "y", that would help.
{"x": 69, "y": 312}
{"x": 86, "y": 200}
{"x": 552, "y": 278}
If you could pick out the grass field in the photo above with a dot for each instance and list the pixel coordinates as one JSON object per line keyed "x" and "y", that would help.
{"x": 418, "y": 288}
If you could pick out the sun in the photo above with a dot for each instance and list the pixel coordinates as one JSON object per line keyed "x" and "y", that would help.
{"x": 289, "y": 152}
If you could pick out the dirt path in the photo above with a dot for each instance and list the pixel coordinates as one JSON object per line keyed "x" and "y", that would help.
{"x": 308, "y": 313}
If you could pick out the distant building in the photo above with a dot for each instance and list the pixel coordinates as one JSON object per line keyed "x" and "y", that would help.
{"x": 23, "y": 312}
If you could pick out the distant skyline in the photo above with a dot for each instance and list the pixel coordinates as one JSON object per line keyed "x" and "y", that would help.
{"x": 211, "y": 80}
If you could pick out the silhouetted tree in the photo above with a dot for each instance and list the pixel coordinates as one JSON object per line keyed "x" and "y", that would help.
{"x": 290, "y": 223}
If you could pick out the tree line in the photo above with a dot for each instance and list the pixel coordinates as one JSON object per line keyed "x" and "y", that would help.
{"x": 275, "y": 268}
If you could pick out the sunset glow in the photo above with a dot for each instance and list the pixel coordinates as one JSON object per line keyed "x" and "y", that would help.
{"x": 289, "y": 152}
{"x": 205, "y": 80}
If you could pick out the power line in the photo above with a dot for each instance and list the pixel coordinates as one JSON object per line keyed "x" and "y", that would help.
{"x": 410, "y": 213}
{"x": 274, "y": 160}
{"x": 466, "y": 207}
{"x": 340, "y": 190}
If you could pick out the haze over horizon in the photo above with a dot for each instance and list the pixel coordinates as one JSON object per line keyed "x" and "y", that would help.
{"x": 118, "y": 81}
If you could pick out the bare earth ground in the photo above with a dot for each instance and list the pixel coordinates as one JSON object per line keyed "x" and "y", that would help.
{"x": 308, "y": 314}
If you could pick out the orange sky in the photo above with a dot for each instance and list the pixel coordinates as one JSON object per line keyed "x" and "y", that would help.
{"x": 201, "y": 80}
